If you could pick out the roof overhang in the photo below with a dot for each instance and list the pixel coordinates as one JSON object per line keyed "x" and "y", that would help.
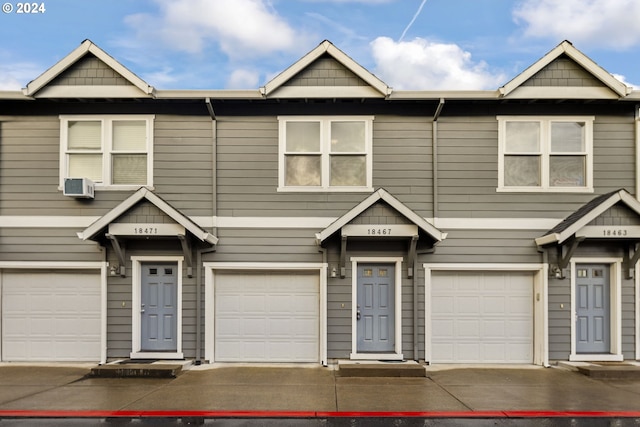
{"x": 385, "y": 196}
{"x": 87, "y": 46}
{"x": 575, "y": 222}
{"x": 94, "y": 230}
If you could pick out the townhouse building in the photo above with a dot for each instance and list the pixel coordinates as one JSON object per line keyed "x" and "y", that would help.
{"x": 323, "y": 216}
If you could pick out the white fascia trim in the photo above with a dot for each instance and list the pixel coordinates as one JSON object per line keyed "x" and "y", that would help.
{"x": 67, "y": 265}
{"x": 264, "y": 265}
{"x": 32, "y": 221}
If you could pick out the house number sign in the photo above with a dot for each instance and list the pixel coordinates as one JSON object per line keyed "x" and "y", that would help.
{"x": 610, "y": 231}
{"x": 145, "y": 229}
{"x": 380, "y": 230}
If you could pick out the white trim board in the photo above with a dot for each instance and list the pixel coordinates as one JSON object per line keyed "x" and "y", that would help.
{"x": 75, "y": 222}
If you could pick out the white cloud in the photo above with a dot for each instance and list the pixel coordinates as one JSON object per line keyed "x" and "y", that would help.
{"x": 241, "y": 27}
{"x": 601, "y": 23}
{"x": 243, "y": 79}
{"x": 623, "y": 79}
{"x": 421, "y": 64}
{"x": 17, "y": 75}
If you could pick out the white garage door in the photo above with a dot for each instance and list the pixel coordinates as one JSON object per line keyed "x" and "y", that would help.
{"x": 52, "y": 316}
{"x": 267, "y": 317}
{"x": 482, "y": 317}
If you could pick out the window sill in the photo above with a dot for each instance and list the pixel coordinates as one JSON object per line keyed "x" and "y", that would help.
{"x": 325, "y": 190}
{"x": 585, "y": 190}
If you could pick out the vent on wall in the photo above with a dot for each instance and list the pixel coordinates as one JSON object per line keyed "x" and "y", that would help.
{"x": 81, "y": 188}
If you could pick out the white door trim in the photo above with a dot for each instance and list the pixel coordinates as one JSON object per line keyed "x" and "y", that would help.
{"x": 615, "y": 301}
{"x": 540, "y": 309}
{"x": 75, "y": 265}
{"x": 209, "y": 300}
{"x": 397, "y": 309}
{"x": 136, "y": 319}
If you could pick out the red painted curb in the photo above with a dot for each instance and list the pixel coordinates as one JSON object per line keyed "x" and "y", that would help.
{"x": 316, "y": 414}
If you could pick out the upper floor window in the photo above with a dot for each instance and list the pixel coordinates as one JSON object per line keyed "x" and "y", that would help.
{"x": 325, "y": 153}
{"x": 112, "y": 151}
{"x": 552, "y": 154}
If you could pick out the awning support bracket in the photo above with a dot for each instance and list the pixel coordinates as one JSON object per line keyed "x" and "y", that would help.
{"x": 565, "y": 252}
{"x": 119, "y": 250}
{"x": 343, "y": 257}
{"x": 412, "y": 255}
{"x": 631, "y": 256}
{"x": 186, "y": 249}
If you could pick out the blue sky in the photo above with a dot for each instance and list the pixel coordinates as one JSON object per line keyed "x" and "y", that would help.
{"x": 242, "y": 44}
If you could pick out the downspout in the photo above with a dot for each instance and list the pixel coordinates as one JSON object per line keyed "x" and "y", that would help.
{"x": 434, "y": 129}
{"x": 214, "y": 149}
{"x": 636, "y": 117}
{"x": 434, "y": 148}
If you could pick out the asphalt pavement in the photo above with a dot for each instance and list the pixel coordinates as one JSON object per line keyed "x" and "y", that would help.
{"x": 289, "y": 395}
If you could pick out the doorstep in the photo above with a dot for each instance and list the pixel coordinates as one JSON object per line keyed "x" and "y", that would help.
{"x": 369, "y": 368}
{"x": 140, "y": 369}
{"x": 605, "y": 370}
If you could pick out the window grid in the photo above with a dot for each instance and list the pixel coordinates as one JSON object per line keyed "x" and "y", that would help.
{"x": 326, "y": 154}
{"x": 545, "y": 154}
{"x": 103, "y": 171}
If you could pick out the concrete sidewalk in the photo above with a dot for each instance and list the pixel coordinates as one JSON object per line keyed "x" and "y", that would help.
{"x": 314, "y": 390}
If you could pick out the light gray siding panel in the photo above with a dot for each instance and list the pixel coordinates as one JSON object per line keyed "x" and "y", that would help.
{"x": 46, "y": 244}
{"x": 563, "y": 72}
{"x": 29, "y": 168}
{"x": 468, "y": 170}
{"x": 248, "y": 169}
{"x": 487, "y": 246}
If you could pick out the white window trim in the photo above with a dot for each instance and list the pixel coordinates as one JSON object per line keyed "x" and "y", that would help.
{"x": 397, "y": 355}
{"x": 545, "y": 132}
{"x": 136, "y": 318}
{"x": 615, "y": 311}
{"x": 106, "y": 149}
{"x": 325, "y": 122}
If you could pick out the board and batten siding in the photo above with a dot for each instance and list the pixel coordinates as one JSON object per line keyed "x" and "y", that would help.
{"x": 468, "y": 170}
{"x": 247, "y": 169}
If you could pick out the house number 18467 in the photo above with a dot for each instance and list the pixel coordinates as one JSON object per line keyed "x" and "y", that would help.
{"x": 378, "y": 231}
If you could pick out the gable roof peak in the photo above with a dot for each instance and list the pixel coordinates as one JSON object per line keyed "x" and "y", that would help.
{"x": 326, "y": 47}
{"x": 567, "y": 48}
{"x": 86, "y": 47}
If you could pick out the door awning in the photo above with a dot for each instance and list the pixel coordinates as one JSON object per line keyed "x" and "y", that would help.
{"x": 178, "y": 226}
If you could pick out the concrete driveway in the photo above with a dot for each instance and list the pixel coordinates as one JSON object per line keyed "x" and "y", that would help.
{"x": 314, "y": 390}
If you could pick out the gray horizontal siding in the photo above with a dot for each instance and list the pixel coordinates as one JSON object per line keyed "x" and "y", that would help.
{"x": 248, "y": 169}
{"x": 29, "y": 168}
{"x": 46, "y": 245}
{"x": 468, "y": 170}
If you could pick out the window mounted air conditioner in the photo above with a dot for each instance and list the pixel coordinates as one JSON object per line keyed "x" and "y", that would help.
{"x": 80, "y": 188}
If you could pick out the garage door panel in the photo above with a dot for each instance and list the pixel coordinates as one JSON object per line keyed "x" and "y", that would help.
{"x": 487, "y": 318}
{"x": 51, "y": 316}
{"x": 274, "y": 317}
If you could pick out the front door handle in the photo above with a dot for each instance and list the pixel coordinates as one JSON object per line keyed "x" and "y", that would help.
{"x": 142, "y": 309}
{"x": 358, "y": 315}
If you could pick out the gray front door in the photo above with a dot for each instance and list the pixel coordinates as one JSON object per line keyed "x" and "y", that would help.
{"x": 593, "y": 314}
{"x": 159, "y": 311}
{"x": 376, "y": 308}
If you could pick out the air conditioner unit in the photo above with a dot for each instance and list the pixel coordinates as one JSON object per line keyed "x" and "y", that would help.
{"x": 81, "y": 188}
